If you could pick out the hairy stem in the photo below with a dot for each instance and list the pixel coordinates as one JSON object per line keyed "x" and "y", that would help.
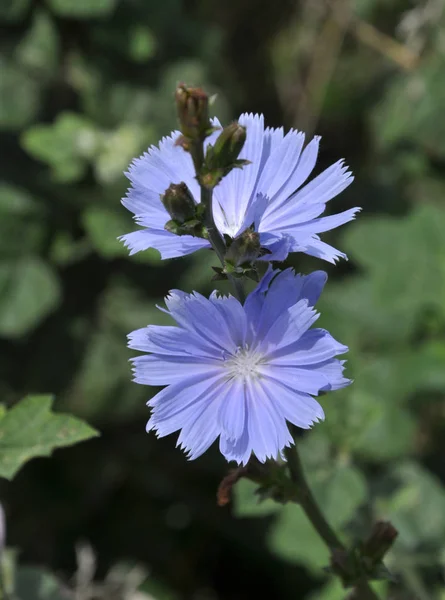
{"x": 362, "y": 590}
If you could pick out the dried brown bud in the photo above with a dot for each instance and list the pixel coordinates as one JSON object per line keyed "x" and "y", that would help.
{"x": 193, "y": 112}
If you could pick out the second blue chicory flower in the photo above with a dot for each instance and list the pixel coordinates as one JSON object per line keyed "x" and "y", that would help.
{"x": 240, "y": 372}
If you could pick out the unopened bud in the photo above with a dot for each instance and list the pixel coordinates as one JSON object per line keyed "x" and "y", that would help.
{"x": 244, "y": 249}
{"x": 193, "y": 112}
{"x": 229, "y": 144}
{"x": 380, "y": 541}
{"x": 222, "y": 157}
{"x": 179, "y": 202}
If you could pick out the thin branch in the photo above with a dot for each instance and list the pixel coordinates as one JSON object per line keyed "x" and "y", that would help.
{"x": 384, "y": 44}
{"x": 325, "y": 55}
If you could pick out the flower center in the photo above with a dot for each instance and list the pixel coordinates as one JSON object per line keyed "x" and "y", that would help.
{"x": 244, "y": 363}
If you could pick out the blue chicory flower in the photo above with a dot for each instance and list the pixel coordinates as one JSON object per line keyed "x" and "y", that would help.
{"x": 268, "y": 193}
{"x": 240, "y": 372}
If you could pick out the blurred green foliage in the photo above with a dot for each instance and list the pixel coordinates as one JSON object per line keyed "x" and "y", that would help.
{"x": 86, "y": 86}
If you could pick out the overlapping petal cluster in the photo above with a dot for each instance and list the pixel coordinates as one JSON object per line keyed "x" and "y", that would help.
{"x": 240, "y": 372}
{"x": 271, "y": 193}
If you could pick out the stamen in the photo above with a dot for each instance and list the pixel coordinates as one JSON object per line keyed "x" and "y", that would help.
{"x": 244, "y": 363}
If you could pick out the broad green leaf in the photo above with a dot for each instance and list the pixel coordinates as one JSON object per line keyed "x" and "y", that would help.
{"x": 82, "y": 9}
{"x": 387, "y": 302}
{"x": 416, "y": 508}
{"x": 19, "y": 96}
{"x": 339, "y": 490}
{"x": 97, "y": 387}
{"x": 293, "y": 538}
{"x": 29, "y": 291}
{"x": 31, "y": 429}
{"x": 65, "y": 250}
{"x": 142, "y": 43}
{"x": 22, "y": 224}
{"x": 38, "y": 50}
{"x": 67, "y": 145}
{"x": 117, "y": 150}
{"x": 369, "y": 417}
{"x": 103, "y": 226}
{"x": 16, "y": 201}
{"x": 126, "y": 308}
{"x": 331, "y": 591}
{"x": 33, "y": 583}
{"x": 248, "y": 504}
{"x": 13, "y": 10}
{"x": 412, "y": 108}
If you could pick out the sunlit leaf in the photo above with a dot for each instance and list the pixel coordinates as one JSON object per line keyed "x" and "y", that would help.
{"x": 31, "y": 429}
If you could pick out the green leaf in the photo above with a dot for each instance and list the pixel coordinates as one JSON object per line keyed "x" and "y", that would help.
{"x": 416, "y": 508}
{"x": 413, "y": 107}
{"x": 33, "y": 583}
{"x": 248, "y": 504}
{"x": 16, "y": 201}
{"x": 29, "y": 291}
{"x": 116, "y": 151}
{"x": 13, "y": 10}
{"x": 31, "y": 429}
{"x": 387, "y": 303}
{"x": 98, "y": 382}
{"x": 294, "y": 539}
{"x": 369, "y": 418}
{"x": 22, "y": 224}
{"x": 103, "y": 226}
{"x": 142, "y": 43}
{"x": 339, "y": 490}
{"x": 82, "y": 9}
{"x": 39, "y": 49}
{"x": 127, "y": 308}
{"x": 19, "y": 96}
{"x": 67, "y": 145}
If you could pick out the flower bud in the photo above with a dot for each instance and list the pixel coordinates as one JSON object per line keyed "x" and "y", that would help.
{"x": 229, "y": 144}
{"x": 193, "y": 112}
{"x": 179, "y": 203}
{"x": 382, "y": 537}
{"x": 222, "y": 157}
{"x": 244, "y": 249}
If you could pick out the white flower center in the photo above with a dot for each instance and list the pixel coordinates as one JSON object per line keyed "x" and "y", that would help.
{"x": 244, "y": 363}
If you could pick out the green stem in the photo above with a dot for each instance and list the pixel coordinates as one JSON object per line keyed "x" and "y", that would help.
{"x": 362, "y": 590}
{"x": 215, "y": 238}
{"x": 307, "y": 500}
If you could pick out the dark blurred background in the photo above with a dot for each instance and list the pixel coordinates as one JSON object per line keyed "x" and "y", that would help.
{"x": 86, "y": 85}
